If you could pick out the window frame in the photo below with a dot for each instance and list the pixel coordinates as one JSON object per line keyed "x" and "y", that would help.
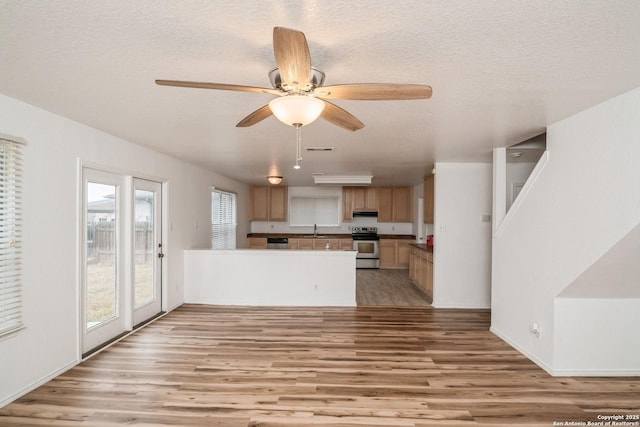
{"x": 11, "y": 319}
{"x": 226, "y": 230}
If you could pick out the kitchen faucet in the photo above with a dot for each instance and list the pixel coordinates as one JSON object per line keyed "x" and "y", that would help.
{"x": 315, "y": 230}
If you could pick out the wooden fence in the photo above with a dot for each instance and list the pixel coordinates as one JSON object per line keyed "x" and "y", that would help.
{"x": 101, "y": 241}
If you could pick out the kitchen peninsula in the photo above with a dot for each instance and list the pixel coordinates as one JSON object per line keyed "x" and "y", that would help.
{"x": 270, "y": 277}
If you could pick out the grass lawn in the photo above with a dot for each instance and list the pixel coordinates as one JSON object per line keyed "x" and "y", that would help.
{"x": 101, "y": 289}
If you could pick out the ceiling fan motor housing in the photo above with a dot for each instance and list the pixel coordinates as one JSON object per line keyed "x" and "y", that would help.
{"x": 316, "y": 79}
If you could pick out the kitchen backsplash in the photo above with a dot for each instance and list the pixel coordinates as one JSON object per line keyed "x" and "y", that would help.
{"x": 345, "y": 228}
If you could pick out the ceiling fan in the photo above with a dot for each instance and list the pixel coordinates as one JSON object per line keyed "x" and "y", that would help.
{"x": 295, "y": 81}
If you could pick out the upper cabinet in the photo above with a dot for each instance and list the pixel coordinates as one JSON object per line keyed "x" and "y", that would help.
{"x": 358, "y": 199}
{"x": 268, "y": 203}
{"x": 428, "y": 197}
{"x": 395, "y": 204}
{"x": 365, "y": 198}
{"x": 347, "y": 203}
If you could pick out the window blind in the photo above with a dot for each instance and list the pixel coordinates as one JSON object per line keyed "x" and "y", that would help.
{"x": 223, "y": 220}
{"x": 10, "y": 236}
{"x": 307, "y": 211}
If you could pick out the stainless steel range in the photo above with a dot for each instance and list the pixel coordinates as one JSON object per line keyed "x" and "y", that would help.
{"x": 366, "y": 242}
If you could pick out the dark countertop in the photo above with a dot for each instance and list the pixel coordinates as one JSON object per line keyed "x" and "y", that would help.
{"x": 423, "y": 247}
{"x": 329, "y": 236}
{"x": 397, "y": 236}
{"x": 301, "y": 235}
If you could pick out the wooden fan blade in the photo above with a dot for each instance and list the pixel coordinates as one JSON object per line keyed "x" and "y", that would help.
{"x": 257, "y": 116}
{"x": 219, "y": 86}
{"x": 339, "y": 117}
{"x": 374, "y": 91}
{"x": 292, "y": 56}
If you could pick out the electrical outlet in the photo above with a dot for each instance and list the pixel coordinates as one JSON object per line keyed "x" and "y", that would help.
{"x": 534, "y": 328}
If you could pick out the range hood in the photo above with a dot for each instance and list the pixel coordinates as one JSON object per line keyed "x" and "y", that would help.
{"x": 365, "y": 214}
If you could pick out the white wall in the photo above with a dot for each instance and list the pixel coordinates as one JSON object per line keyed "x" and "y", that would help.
{"x": 49, "y": 343}
{"x": 276, "y": 278}
{"x": 583, "y": 202}
{"x": 462, "y": 240}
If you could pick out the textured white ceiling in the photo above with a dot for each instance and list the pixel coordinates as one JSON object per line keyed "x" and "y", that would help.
{"x": 501, "y": 71}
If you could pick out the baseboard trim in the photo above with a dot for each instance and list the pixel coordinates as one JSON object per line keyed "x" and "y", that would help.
{"x": 461, "y": 307}
{"x": 566, "y": 372}
{"x": 522, "y": 350}
{"x": 37, "y": 383}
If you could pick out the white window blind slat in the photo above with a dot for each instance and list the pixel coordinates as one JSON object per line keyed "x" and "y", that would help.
{"x": 10, "y": 236}
{"x": 223, "y": 220}
{"x": 307, "y": 211}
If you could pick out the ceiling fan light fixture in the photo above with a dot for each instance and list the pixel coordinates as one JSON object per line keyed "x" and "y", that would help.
{"x": 274, "y": 180}
{"x": 296, "y": 109}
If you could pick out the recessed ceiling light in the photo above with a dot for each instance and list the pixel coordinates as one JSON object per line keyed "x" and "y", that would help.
{"x": 516, "y": 154}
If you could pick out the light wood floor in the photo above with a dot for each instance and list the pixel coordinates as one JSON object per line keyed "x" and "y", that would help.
{"x": 338, "y": 367}
{"x": 388, "y": 287}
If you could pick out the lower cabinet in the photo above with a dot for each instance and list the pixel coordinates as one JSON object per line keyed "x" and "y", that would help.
{"x": 421, "y": 269}
{"x": 319, "y": 244}
{"x": 394, "y": 253}
{"x": 257, "y": 243}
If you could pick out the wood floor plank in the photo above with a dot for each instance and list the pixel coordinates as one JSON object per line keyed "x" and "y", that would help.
{"x": 322, "y": 366}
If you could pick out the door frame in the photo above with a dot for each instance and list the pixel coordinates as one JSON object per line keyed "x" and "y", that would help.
{"x": 126, "y": 199}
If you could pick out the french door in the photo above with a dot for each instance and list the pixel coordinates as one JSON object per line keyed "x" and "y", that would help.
{"x": 147, "y": 250}
{"x": 121, "y": 250}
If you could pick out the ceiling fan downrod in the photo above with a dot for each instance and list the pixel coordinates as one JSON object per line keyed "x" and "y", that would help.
{"x": 298, "y": 127}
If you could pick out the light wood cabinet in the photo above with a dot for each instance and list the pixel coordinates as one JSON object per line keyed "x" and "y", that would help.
{"x": 402, "y": 204}
{"x": 385, "y": 204}
{"x": 347, "y": 203}
{"x": 394, "y": 253}
{"x": 387, "y": 253}
{"x": 346, "y": 244}
{"x": 429, "y": 200}
{"x": 320, "y": 244}
{"x": 260, "y": 203}
{"x": 358, "y": 199}
{"x": 395, "y": 204}
{"x": 257, "y": 243}
{"x": 268, "y": 203}
{"x": 277, "y": 203}
{"x": 421, "y": 269}
{"x": 365, "y": 198}
{"x": 402, "y": 253}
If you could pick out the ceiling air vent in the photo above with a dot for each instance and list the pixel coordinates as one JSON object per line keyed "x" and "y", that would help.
{"x": 321, "y": 149}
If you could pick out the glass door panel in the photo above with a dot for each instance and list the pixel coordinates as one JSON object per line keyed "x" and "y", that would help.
{"x": 147, "y": 250}
{"x": 104, "y": 312}
{"x": 101, "y": 251}
{"x": 144, "y": 249}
